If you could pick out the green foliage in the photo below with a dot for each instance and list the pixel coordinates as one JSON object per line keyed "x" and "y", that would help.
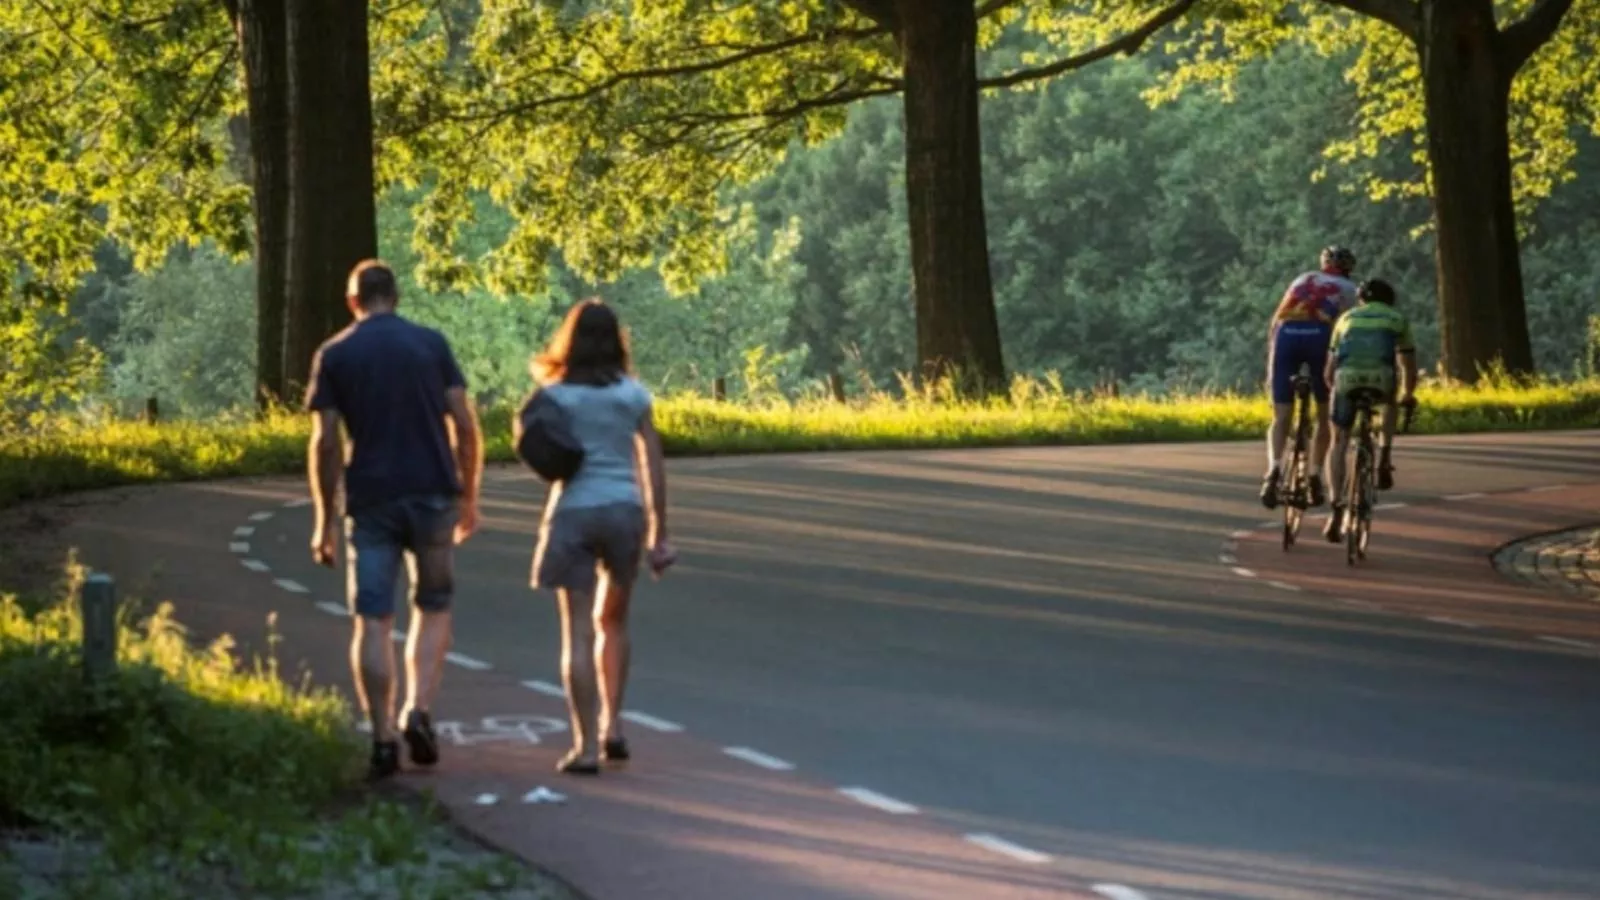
{"x": 191, "y": 774}
{"x": 1035, "y": 412}
{"x": 1554, "y": 96}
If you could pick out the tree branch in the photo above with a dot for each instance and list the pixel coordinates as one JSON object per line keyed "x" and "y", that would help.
{"x": 1128, "y": 43}
{"x": 1523, "y": 38}
{"x": 1405, "y": 15}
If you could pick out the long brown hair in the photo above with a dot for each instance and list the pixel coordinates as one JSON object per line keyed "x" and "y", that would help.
{"x": 590, "y": 347}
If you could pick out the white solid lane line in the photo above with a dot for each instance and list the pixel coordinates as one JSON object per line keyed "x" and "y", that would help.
{"x": 545, "y": 687}
{"x": 1547, "y": 489}
{"x": 1454, "y": 498}
{"x": 1005, "y": 847}
{"x": 757, "y": 758}
{"x": 1567, "y": 642}
{"x": 255, "y": 565}
{"x": 878, "y": 801}
{"x": 1446, "y": 620}
{"x": 292, "y": 586}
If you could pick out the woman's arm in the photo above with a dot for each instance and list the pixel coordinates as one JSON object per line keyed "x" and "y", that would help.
{"x": 655, "y": 477}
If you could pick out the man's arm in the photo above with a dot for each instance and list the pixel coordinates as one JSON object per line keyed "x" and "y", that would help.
{"x": 468, "y": 441}
{"x": 324, "y": 465}
{"x": 1406, "y": 355}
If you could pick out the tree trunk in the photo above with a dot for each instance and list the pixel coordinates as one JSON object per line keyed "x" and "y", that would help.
{"x": 957, "y": 331}
{"x": 1466, "y": 88}
{"x": 264, "y": 36}
{"x": 332, "y": 215}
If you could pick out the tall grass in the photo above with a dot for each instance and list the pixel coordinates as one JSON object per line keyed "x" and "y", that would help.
{"x": 1035, "y": 412}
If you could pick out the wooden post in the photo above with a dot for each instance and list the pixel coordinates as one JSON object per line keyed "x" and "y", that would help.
{"x": 99, "y": 609}
{"x": 152, "y": 410}
{"x": 836, "y": 386}
{"x": 719, "y": 388}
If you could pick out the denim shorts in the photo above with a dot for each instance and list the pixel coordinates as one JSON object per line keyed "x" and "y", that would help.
{"x": 417, "y": 530}
{"x": 579, "y": 544}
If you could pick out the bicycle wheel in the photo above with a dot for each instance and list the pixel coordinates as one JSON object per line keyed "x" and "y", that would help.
{"x": 1294, "y": 499}
{"x": 1356, "y": 492}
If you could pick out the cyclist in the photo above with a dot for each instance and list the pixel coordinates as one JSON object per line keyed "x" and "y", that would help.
{"x": 1369, "y": 344}
{"x": 1298, "y": 336}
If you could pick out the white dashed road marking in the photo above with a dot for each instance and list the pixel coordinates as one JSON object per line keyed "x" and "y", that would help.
{"x": 1118, "y": 892}
{"x": 292, "y": 586}
{"x": 878, "y": 801}
{"x": 1240, "y": 535}
{"x": 467, "y": 662}
{"x": 1455, "y": 498}
{"x": 757, "y": 758}
{"x": 651, "y": 722}
{"x": 1284, "y": 586}
{"x": 487, "y": 799}
{"x": 332, "y": 609}
{"x": 1228, "y": 559}
{"x": 239, "y": 547}
{"x": 1567, "y": 642}
{"x": 1446, "y": 620}
{"x": 1547, "y": 489}
{"x": 244, "y": 531}
{"x": 260, "y": 516}
{"x": 297, "y": 503}
{"x": 255, "y": 565}
{"x": 545, "y": 687}
{"x": 1243, "y": 572}
{"x": 1003, "y": 846}
{"x": 1397, "y": 505}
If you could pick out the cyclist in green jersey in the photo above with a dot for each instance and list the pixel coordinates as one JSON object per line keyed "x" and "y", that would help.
{"x": 1369, "y": 344}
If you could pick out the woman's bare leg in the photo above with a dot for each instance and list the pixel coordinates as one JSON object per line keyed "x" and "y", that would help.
{"x": 611, "y": 654}
{"x": 578, "y": 670}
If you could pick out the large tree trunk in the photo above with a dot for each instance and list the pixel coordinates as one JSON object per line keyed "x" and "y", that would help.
{"x": 957, "y": 332}
{"x": 332, "y": 215}
{"x": 1466, "y": 87}
{"x": 264, "y": 35}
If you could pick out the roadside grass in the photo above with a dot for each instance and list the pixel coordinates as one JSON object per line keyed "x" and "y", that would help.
{"x": 1036, "y": 412}
{"x": 190, "y": 775}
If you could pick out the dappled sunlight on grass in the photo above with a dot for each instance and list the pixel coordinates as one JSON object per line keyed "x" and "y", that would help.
{"x": 1036, "y": 412}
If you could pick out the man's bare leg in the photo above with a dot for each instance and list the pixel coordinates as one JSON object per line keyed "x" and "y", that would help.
{"x": 372, "y": 662}
{"x": 430, "y": 639}
{"x": 611, "y": 651}
{"x": 1336, "y": 472}
{"x": 578, "y": 676}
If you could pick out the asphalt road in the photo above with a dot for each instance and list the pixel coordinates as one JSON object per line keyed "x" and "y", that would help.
{"x": 1041, "y": 643}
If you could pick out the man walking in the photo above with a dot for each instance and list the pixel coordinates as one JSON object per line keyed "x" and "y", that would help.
{"x": 411, "y": 493}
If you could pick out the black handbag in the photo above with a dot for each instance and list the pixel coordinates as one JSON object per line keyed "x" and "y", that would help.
{"x": 542, "y": 434}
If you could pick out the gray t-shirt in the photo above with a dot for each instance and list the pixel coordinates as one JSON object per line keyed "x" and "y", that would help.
{"x": 605, "y": 420}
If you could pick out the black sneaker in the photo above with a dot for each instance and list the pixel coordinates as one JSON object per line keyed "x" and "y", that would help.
{"x": 385, "y": 759}
{"x": 1269, "y": 490}
{"x": 1319, "y": 491}
{"x": 1334, "y": 530}
{"x": 420, "y": 738}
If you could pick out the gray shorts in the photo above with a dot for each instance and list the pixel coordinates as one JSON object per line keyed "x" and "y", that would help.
{"x": 577, "y": 545}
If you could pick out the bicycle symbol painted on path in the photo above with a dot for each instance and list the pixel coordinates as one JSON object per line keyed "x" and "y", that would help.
{"x": 515, "y": 728}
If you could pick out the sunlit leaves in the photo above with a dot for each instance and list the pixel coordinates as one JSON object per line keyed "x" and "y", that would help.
{"x": 1556, "y": 93}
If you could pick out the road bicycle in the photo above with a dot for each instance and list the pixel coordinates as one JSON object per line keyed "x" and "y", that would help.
{"x": 1362, "y": 490}
{"x": 1296, "y": 495}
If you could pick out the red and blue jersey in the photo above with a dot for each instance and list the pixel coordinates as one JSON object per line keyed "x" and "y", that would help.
{"x": 1315, "y": 299}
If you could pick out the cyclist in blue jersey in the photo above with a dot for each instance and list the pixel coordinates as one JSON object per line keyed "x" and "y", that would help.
{"x": 1301, "y": 328}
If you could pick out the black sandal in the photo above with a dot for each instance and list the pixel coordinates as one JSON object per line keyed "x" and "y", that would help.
{"x": 574, "y": 764}
{"x": 615, "y": 750}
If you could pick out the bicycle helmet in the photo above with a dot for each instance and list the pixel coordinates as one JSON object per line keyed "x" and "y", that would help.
{"x": 1376, "y": 290}
{"x": 1336, "y": 257}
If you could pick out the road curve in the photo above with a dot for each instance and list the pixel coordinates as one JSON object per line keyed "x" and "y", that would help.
{"x": 1040, "y": 653}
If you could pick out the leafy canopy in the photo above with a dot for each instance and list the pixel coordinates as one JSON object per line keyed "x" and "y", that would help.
{"x": 1555, "y": 95}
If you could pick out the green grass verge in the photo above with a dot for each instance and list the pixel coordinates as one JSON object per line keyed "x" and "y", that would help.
{"x": 189, "y": 775}
{"x": 1036, "y": 413}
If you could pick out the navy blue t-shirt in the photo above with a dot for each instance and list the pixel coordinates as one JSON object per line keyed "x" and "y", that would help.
{"x": 387, "y": 379}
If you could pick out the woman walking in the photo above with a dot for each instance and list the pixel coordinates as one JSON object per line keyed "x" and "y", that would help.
{"x": 595, "y": 525}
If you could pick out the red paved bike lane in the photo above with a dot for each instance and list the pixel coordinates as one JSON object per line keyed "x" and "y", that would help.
{"x": 1433, "y": 561}
{"x": 683, "y": 820}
